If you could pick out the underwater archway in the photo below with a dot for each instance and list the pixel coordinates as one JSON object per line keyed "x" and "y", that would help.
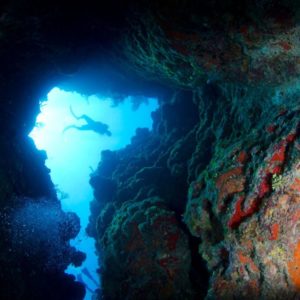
{"x": 73, "y": 152}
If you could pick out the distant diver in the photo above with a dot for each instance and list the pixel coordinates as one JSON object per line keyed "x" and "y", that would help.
{"x": 80, "y": 279}
{"x": 96, "y": 126}
{"x": 87, "y": 273}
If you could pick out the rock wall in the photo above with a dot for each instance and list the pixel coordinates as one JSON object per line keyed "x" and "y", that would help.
{"x": 229, "y": 174}
{"x": 35, "y": 232}
{"x": 186, "y": 43}
{"x": 236, "y": 164}
{"x": 145, "y": 251}
{"x": 34, "y": 249}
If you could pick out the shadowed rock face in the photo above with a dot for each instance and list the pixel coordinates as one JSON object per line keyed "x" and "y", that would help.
{"x": 207, "y": 204}
{"x": 144, "y": 241}
{"x": 233, "y": 169}
{"x": 35, "y": 233}
{"x": 188, "y": 43}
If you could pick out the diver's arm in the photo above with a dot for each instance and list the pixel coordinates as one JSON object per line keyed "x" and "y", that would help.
{"x": 69, "y": 127}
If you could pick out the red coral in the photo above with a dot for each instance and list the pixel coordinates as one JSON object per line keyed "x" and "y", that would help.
{"x": 271, "y": 128}
{"x": 276, "y": 170}
{"x": 230, "y": 183}
{"x": 279, "y": 155}
{"x": 282, "y": 112}
{"x": 274, "y": 230}
{"x": 285, "y": 45}
{"x": 291, "y": 137}
{"x": 242, "y": 157}
{"x": 239, "y": 214}
{"x": 172, "y": 240}
{"x": 265, "y": 186}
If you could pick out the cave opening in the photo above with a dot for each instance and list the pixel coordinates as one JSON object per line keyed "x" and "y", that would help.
{"x": 64, "y": 130}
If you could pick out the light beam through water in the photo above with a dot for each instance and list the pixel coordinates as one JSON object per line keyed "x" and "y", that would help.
{"x": 73, "y": 154}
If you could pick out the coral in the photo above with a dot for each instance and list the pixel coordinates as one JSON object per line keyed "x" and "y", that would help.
{"x": 274, "y": 230}
{"x": 242, "y": 157}
{"x": 246, "y": 260}
{"x": 229, "y": 184}
{"x": 195, "y": 189}
{"x": 277, "y": 181}
{"x": 240, "y": 214}
{"x": 269, "y": 180}
{"x": 294, "y": 267}
{"x": 148, "y": 253}
{"x": 271, "y": 128}
{"x": 296, "y": 185}
{"x": 244, "y": 54}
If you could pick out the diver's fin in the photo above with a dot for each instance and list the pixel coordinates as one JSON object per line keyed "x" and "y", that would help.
{"x": 69, "y": 127}
{"x": 108, "y": 132}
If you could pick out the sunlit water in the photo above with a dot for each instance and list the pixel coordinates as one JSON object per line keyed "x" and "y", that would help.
{"x": 73, "y": 155}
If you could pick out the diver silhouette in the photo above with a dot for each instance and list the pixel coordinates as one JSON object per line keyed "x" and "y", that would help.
{"x": 96, "y": 126}
{"x": 87, "y": 273}
{"x": 80, "y": 279}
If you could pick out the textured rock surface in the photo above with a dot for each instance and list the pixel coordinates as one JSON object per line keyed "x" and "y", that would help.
{"x": 188, "y": 42}
{"x": 240, "y": 166}
{"x": 249, "y": 191}
{"x": 153, "y": 165}
{"x": 34, "y": 250}
{"x": 144, "y": 241}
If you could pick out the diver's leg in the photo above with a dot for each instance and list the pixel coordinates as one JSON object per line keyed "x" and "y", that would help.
{"x": 70, "y": 127}
{"x": 82, "y": 127}
{"x": 108, "y": 132}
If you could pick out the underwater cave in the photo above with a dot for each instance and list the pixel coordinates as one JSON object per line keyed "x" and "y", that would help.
{"x": 149, "y": 150}
{"x": 73, "y": 153}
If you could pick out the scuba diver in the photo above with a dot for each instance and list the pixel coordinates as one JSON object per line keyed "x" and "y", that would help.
{"x": 80, "y": 279}
{"x": 96, "y": 126}
{"x": 87, "y": 273}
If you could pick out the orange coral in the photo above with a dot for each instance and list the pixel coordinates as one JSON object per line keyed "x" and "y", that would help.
{"x": 296, "y": 185}
{"x": 228, "y": 175}
{"x": 279, "y": 155}
{"x": 294, "y": 267}
{"x": 246, "y": 260}
{"x": 228, "y": 184}
{"x": 274, "y": 230}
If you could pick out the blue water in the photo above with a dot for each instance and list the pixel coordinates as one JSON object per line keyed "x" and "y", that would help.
{"x": 73, "y": 155}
